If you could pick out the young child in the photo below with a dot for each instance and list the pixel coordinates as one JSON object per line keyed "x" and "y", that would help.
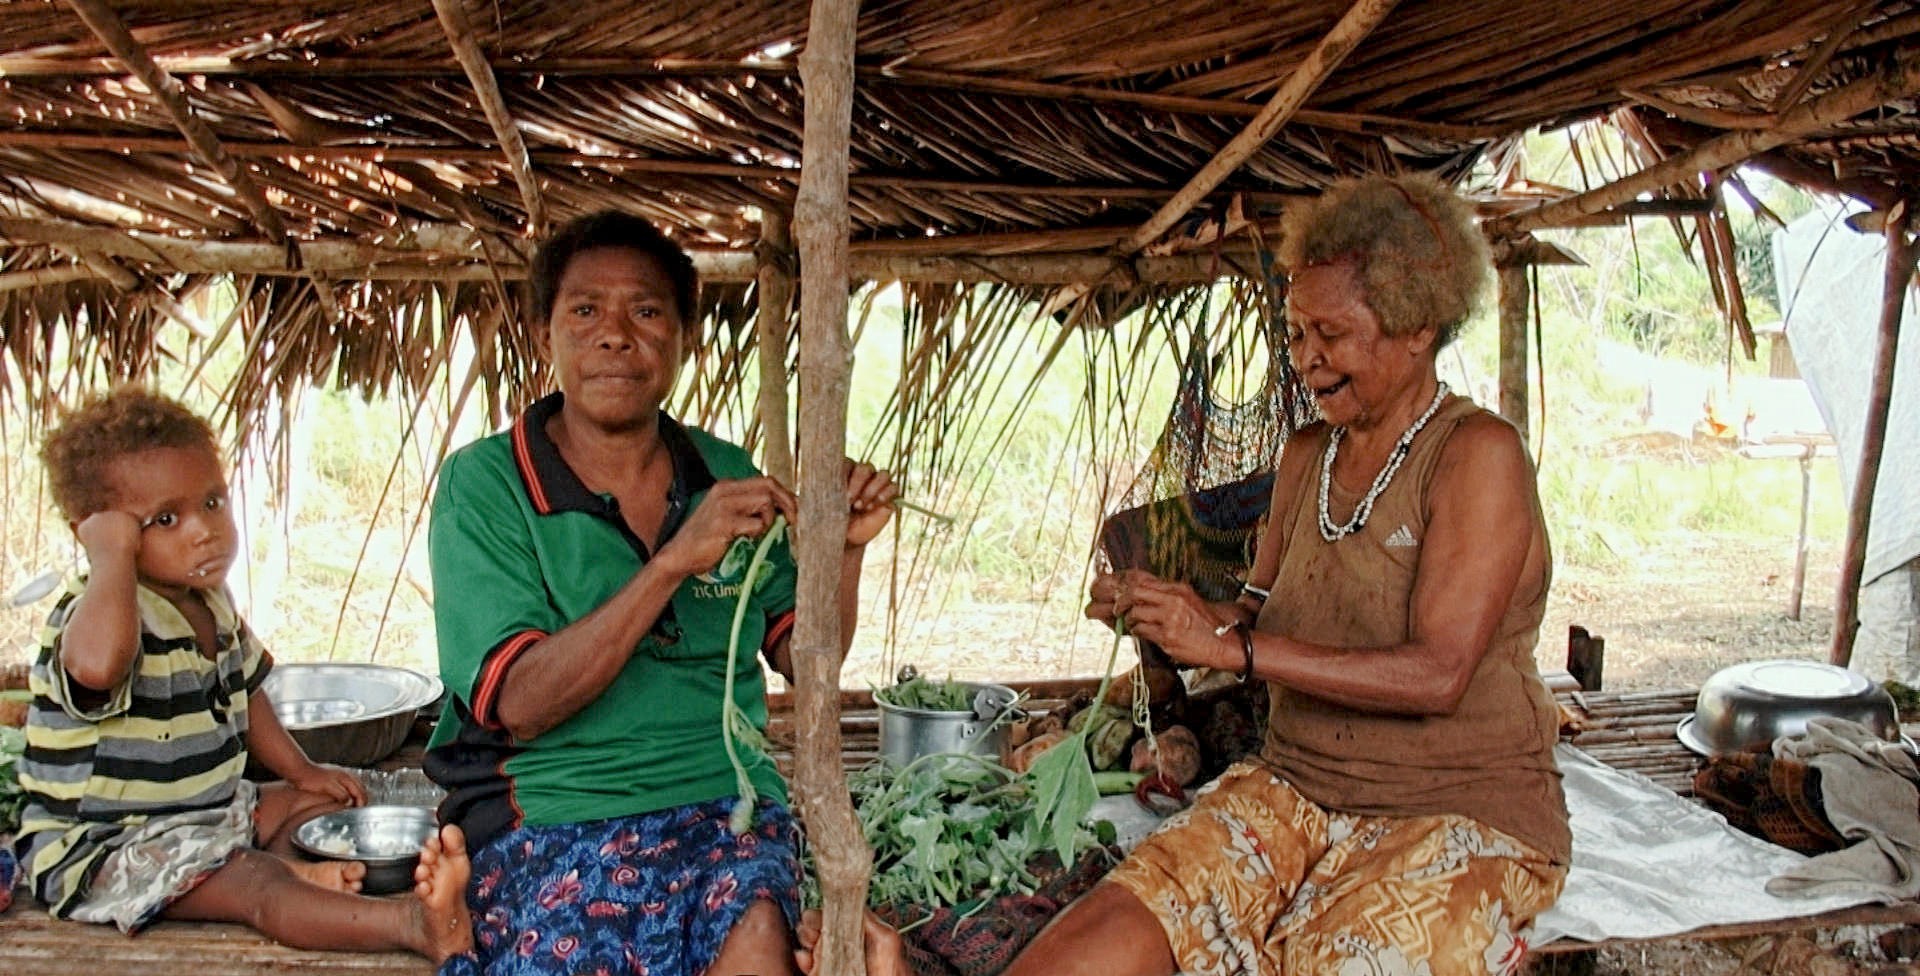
{"x": 147, "y": 703}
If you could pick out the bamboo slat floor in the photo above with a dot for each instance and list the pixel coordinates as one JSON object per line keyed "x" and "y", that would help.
{"x": 1627, "y": 730}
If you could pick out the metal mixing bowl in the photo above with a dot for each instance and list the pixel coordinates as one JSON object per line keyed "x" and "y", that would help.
{"x": 386, "y": 838}
{"x": 1745, "y": 707}
{"x": 352, "y": 714}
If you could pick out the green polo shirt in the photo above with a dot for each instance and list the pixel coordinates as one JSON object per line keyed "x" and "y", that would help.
{"x": 520, "y": 549}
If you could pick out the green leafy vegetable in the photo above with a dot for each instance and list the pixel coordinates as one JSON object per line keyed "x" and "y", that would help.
{"x": 932, "y": 696}
{"x": 13, "y": 744}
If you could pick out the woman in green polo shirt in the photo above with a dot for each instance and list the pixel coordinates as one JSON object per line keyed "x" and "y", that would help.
{"x": 587, "y": 564}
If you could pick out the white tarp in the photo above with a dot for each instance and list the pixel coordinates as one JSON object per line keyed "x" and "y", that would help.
{"x": 1830, "y": 282}
{"x": 1648, "y": 863}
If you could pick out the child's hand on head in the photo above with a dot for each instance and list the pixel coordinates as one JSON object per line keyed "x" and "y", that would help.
{"x": 331, "y": 781}
{"x": 109, "y": 532}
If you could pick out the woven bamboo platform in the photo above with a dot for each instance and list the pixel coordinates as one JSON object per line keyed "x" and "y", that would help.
{"x": 1627, "y": 730}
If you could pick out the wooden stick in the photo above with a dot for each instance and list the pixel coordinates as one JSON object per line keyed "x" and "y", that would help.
{"x": 1844, "y": 23}
{"x": 1901, "y": 80}
{"x": 167, "y": 91}
{"x": 821, "y": 226}
{"x": 1332, "y": 49}
{"x": 486, "y": 88}
{"x": 1515, "y": 300}
{"x": 1901, "y": 253}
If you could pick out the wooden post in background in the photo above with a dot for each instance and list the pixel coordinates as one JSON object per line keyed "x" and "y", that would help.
{"x": 841, "y": 855}
{"x": 1873, "y": 438}
{"x": 1515, "y": 300}
{"x": 771, "y": 325}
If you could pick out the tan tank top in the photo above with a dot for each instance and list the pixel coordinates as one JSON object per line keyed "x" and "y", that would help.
{"x": 1492, "y": 759}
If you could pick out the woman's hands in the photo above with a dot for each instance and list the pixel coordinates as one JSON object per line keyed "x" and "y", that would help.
{"x": 870, "y": 496}
{"x": 1169, "y": 614}
{"x": 742, "y": 508}
{"x": 885, "y": 952}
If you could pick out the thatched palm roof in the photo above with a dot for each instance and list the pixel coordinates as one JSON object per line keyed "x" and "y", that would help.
{"x": 359, "y": 163}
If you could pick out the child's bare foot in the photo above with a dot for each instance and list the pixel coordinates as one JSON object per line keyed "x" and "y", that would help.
{"x": 440, "y": 885}
{"x": 332, "y": 875}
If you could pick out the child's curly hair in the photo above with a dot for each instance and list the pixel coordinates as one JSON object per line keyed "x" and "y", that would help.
{"x": 1418, "y": 255}
{"x": 125, "y": 421}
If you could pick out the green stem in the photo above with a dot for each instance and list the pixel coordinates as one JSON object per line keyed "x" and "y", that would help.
{"x": 742, "y": 819}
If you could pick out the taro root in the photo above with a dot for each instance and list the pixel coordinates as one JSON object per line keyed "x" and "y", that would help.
{"x": 1179, "y": 755}
{"x": 1021, "y": 759}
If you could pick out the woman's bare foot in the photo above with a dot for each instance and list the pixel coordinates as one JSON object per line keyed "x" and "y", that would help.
{"x": 332, "y": 875}
{"x": 440, "y": 886}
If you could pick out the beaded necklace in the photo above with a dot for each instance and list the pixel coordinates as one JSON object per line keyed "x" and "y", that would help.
{"x": 1334, "y": 533}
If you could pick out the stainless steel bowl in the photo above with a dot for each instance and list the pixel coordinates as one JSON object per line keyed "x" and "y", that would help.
{"x": 1745, "y": 707}
{"x": 352, "y": 714}
{"x": 385, "y": 838}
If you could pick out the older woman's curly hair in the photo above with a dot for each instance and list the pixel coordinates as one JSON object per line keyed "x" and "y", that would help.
{"x": 80, "y": 453}
{"x": 1419, "y": 257}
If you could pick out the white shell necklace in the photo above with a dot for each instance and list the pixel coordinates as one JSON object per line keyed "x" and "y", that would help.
{"x": 1334, "y": 533}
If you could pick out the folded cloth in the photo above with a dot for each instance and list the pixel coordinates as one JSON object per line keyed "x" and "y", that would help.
{"x": 1871, "y": 793}
{"x": 1776, "y": 800}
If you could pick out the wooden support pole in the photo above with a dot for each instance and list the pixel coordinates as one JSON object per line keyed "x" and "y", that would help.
{"x": 1799, "y": 590}
{"x": 166, "y": 90}
{"x": 1359, "y": 20}
{"x": 772, "y": 326}
{"x": 1898, "y": 81}
{"x": 453, "y": 20}
{"x": 821, "y": 225}
{"x": 1901, "y": 253}
{"x": 1516, "y": 299}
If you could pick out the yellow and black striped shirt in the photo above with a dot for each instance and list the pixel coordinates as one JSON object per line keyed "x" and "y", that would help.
{"x": 171, "y": 737}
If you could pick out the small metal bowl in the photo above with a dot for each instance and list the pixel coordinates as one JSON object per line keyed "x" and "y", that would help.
{"x": 387, "y": 839}
{"x": 1745, "y": 707}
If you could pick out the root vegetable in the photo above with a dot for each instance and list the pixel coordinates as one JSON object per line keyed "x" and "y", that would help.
{"x": 1179, "y": 755}
{"x": 1021, "y": 759}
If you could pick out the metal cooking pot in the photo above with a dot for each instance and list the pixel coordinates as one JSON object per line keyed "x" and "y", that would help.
{"x": 907, "y": 734}
{"x": 1745, "y": 707}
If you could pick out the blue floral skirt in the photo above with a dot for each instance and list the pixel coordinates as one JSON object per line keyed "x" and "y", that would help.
{"x": 653, "y": 894}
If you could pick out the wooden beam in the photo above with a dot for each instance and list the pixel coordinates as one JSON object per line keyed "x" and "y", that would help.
{"x": 44, "y": 277}
{"x": 1899, "y": 81}
{"x": 821, "y": 225}
{"x": 453, "y": 20}
{"x": 1901, "y": 254}
{"x": 1327, "y": 55}
{"x": 445, "y": 252}
{"x": 166, "y": 90}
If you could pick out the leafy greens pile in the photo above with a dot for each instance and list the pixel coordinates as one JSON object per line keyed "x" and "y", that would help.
{"x": 932, "y": 696}
{"x": 951, "y": 829}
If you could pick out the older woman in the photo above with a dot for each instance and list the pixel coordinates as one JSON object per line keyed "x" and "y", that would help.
{"x": 1404, "y": 814}
{"x": 587, "y": 568}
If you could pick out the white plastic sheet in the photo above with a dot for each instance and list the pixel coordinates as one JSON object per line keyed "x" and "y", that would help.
{"x": 1648, "y": 863}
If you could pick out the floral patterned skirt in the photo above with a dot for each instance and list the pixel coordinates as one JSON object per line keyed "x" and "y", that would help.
{"x": 653, "y": 894}
{"x": 1256, "y": 879}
